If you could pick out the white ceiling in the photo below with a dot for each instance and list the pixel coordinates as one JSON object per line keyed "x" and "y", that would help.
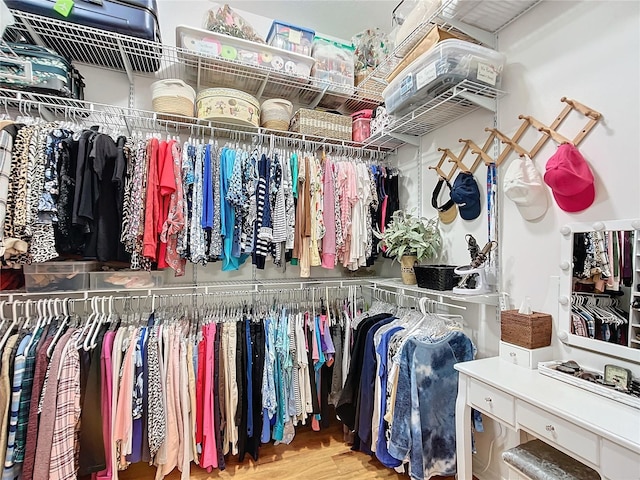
{"x": 338, "y": 18}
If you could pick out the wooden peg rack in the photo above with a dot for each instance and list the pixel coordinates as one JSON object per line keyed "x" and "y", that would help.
{"x": 511, "y": 143}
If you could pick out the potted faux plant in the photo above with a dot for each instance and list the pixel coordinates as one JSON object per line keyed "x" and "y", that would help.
{"x": 410, "y": 239}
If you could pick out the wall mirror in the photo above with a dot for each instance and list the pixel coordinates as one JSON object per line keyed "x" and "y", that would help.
{"x": 600, "y": 287}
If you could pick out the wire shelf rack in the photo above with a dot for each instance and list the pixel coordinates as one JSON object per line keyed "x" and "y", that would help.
{"x": 142, "y": 57}
{"x": 458, "y": 101}
{"x": 476, "y": 21}
{"x": 114, "y": 119}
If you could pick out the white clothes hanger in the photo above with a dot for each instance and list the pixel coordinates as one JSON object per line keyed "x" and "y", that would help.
{"x": 14, "y": 323}
{"x": 3, "y": 319}
{"x": 42, "y": 318}
{"x": 88, "y": 323}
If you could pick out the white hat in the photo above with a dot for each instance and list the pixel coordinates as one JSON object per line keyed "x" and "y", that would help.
{"x": 523, "y": 184}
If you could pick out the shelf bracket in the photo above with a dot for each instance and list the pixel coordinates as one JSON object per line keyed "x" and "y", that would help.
{"x": 125, "y": 60}
{"x": 316, "y": 101}
{"x": 36, "y": 38}
{"x": 46, "y": 114}
{"x": 484, "y": 102}
{"x": 132, "y": 96}
{"x": 410, "y": 139}
{"x": 126, "y": 123}
{"x": 485, "y": 37}
{"x": 263, "y": 86}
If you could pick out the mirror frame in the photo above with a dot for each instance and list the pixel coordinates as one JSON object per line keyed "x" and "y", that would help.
{"x": 566, "y": 274}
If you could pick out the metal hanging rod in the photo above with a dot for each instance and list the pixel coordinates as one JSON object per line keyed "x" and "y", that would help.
{"x": 258, "y": 286}
{"x": 121, "y": 119}
{"x": 294, "y": 295}
{"x": 376, "y": 288}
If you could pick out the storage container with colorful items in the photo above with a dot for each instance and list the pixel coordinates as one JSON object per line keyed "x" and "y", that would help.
{"x": 361, "y": 125}
{"x": 126, "y": 279}
{"x": 334, "y": 65}
{"x": 58, "y": 276}
{"x": 290, "y": 37}
{"x": 433, "y": 73}
{"x": 321, "y": 124}
{"x": 203, "y": 42}
{"x": 228, "y": 105}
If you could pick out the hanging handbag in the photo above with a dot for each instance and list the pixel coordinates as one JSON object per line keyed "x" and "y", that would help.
{"x": 52, "y": 74}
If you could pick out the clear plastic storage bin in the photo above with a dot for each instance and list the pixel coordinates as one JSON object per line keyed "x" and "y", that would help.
{"x": 434, "y": 72}
{"x": 290, "y": 37}
{"x": 203, "y": 42}
{"x": 126, "y": 280}
{"x": 361, "y": 129}
{"x": 58, "y": 276}
{"x": 334, "y": 65}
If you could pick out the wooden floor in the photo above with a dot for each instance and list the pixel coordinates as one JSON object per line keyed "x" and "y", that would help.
{"x": 311, "y": 456}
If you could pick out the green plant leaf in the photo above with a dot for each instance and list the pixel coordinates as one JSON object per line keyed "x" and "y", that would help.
{"x": 411, "y": 235}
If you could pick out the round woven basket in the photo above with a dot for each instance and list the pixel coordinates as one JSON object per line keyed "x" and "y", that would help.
{"x": 275, "y": 114}
{"x": 174, "y": 105}
{"x": 173, "y": 97}
{"x": 276, "y": 125}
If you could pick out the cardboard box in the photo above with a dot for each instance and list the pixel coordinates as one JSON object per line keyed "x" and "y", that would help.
{"x": 435, "y": 35}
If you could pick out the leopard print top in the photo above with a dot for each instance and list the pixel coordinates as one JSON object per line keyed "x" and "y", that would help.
{"x": 17, "y": 199}
{"x": 43, "y": 242}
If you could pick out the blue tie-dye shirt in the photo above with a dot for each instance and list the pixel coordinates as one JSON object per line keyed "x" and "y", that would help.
{"x": 424, "y": 428}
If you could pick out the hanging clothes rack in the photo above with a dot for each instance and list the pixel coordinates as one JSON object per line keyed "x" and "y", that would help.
{"x": 430, "y": 302}
{"x": 255, "y": 286}
{"x": 314, "y": 287}
{"x": 129, "y": 121}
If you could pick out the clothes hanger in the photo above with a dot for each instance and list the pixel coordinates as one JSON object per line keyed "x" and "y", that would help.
{"x": 90, "y": 340}
{"x": 42, "y": 319}
{"x": 61, "y": 328}
{"x": 88, "y": 323}
{"x": 14, "y": 323}
{"x": 429, "y": 323}
{"x": 28, "y": 317}
{"x": 3, "y": 319}
{"x": 56, "y": 312}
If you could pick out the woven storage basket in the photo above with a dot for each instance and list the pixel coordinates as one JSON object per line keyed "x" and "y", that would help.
{"x": 528, "y": 331}
{"x": 275, "y": 114}
{"x": 436, "y": 277}
{"x": 322, "y": 124}
{"x": 173, "y": 97}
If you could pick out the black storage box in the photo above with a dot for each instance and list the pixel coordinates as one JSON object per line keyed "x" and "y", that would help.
{"x": 436, "y": 277}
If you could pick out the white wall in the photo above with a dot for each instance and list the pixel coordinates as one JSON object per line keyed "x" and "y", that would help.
{"x": 588, "y": 51}
{"x": 558, "y": 49}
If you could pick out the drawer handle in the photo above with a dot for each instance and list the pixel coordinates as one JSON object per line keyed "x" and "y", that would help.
{"x": 512, "y": 354}
{"x": 488, "y": 399}
{"x": 550, "y": 428}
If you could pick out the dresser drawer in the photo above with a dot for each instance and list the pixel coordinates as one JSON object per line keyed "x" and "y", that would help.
{"x": 559, "y": 432}
{"x": 619, "y": 462}
{"x": 491, "y": 401}
{"x": 525, "y": 357}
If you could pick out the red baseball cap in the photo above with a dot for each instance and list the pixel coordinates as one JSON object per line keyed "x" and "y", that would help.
{"x": 570, "y": 178}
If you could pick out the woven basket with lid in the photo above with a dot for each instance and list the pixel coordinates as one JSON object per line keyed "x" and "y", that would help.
{"x": 173, "y": 97}
{"x": 276, "y": 113}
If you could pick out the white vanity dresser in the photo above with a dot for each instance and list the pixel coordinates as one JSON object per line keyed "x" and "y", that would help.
{"x": 598, "y": 431}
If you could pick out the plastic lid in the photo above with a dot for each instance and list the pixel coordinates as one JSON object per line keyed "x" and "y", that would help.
{"x": 334, "y": 43}
{"x": 366, "y": 113}
{"x": 275, "y": 23}
{"x": 443, "y": 48}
